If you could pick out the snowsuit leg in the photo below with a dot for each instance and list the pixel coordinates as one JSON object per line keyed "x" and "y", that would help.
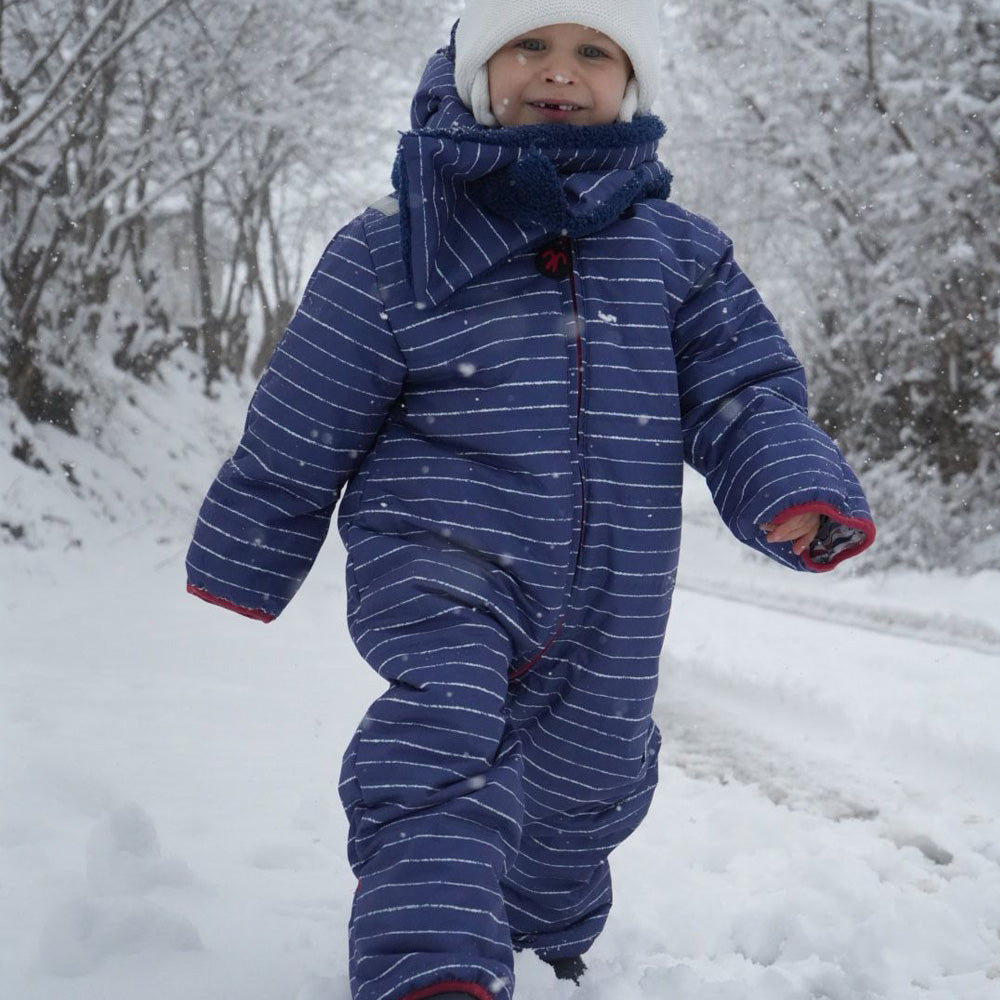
{"x": 558, "y": 891}
{"x": 590, "y": 771}
{"x": 556, "y": 908}
{"x": 431, "y": 783}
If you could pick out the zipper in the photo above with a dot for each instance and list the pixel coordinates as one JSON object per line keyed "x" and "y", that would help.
{"x": 524, "y": 668}
{"x": 556, "y": 261}
{"x": 579, "y": 388}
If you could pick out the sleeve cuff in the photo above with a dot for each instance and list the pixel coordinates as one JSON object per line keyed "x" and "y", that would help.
{"x": 257, "y": 614}
{"x": 472, "y": 990}
{"x": 841, "y": 536}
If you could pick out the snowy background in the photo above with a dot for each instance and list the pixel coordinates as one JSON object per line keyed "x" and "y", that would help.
{"x": 828, "y": 821}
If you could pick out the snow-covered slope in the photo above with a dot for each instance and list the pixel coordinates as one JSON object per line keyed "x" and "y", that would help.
{"x": 142, "y": 460}
{"x": 827, "y": 826}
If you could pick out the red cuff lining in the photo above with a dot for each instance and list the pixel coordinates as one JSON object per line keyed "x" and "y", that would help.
{"x": 257, "y": 615}
{"x": 473, "y": 990}
{"x": 861, "y": 523}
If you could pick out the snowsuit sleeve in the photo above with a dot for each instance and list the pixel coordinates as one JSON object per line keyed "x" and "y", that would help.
{"x": 746, "y": 427}
{"x": 313, "y": 417}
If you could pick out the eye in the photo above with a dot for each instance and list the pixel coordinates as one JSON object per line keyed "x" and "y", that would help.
{"x": 592, "y": 52}
{"x": 531, "y": 44}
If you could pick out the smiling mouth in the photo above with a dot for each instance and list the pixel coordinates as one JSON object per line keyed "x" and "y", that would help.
{"x": 551, "y": 106}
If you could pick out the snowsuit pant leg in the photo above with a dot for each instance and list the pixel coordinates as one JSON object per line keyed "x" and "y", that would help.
{"x": 559, "y": 890}
{"x": 431, "y": 783}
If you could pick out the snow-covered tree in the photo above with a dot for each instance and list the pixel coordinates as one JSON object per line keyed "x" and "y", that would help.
{"x": 235, "y": 127}
{"x": 72, "y": 166}
{"x": 885, "y": 118}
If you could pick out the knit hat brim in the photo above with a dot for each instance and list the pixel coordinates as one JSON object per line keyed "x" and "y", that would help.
{"x": 487, "y": 25}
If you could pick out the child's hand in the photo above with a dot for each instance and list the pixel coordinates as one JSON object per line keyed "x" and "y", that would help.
{"x": 800, "y": 530}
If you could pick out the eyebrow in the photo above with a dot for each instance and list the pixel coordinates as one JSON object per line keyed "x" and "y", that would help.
{"x": 595, "y": 38}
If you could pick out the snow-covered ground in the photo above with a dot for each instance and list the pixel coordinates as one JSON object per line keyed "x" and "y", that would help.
{"x": 827, "y": 825}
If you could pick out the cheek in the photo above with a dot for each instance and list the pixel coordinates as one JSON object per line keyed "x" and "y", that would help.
{"x": 620, "y": 83}
{"x": 501, "y": 84}
{"x": 613, "y": 90}
{"x": 503, "y": 90}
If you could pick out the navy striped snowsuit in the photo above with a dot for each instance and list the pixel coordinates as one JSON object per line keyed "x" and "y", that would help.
{"x": 504, "y": 371}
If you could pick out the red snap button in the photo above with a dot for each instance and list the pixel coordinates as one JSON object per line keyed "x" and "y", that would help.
{"x": 555, "y": 259}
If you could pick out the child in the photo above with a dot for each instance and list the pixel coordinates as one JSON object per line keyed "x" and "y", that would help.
{"x": 503, "y": 368}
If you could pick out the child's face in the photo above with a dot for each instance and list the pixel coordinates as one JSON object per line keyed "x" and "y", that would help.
{"x": 563, "y": 73}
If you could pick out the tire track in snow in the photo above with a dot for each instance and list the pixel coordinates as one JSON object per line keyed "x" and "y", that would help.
{"x": 811, "y": 738}
{"x": 936, "y": 629}
{"x": 713, "y": 748}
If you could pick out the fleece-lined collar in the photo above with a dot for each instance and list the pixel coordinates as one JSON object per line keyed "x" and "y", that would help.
{"x": 471, "y": 196}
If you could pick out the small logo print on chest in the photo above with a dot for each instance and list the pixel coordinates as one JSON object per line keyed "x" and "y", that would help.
{"x": 555, "y": 259}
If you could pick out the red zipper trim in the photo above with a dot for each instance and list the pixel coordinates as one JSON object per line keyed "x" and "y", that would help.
{"x": 522, "y": 670}
{"x": 567, "y": 244}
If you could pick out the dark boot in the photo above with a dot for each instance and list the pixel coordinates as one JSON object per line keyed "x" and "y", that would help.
{"x": 567, "y": 968}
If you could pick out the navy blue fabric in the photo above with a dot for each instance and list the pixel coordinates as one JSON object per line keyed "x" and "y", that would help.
{"x": 507, "y": 449}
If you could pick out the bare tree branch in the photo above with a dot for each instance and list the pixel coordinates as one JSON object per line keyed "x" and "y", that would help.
{"x": 15, "y": 138}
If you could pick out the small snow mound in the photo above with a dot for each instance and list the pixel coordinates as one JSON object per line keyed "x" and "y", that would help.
{"x": 927, "y": 847}
{"x": 124, "y": 855}
{"x": 607, "y": 317}
{"x": 760, "y": 935}
{"x": 681, "y": 982}
{"x": 82, "y": 934}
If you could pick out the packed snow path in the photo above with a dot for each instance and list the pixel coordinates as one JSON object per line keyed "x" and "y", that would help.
{"x": 826, "y": 824}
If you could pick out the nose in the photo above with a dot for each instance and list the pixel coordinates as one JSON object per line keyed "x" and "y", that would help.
{"x": 559, "y": 70}
{"x": 560, "y": 77}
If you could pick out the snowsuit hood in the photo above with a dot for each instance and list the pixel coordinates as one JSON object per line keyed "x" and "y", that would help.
{"x": 533, "y": 180}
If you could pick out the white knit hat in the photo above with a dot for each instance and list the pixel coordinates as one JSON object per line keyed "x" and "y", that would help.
{"x": 487, "y": 25}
